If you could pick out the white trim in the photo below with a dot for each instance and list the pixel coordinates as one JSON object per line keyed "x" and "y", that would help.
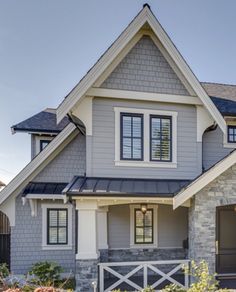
{"x": 46, "y": 246}
{"x": 39, "y": 162}
{"x": 204, "y": 121}
{"x": 46, "y": 197}
{"x": 145, "y": 16}
{"x": 155, "y": 227}
{"x": 146, "y": 139}
{"x": 204, "y": 180}
{"x": 147, "y": 96}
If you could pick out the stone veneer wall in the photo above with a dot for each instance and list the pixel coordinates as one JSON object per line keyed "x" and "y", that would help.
{"x": 202, "y": 216}
{"x": 135, "y": 254}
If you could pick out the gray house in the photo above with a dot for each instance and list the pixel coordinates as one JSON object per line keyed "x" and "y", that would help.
{"x": 133, "y": 174}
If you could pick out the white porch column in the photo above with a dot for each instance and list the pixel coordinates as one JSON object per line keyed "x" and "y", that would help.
{"x": 87, "y": 230}
{"x": 102, "y": 227}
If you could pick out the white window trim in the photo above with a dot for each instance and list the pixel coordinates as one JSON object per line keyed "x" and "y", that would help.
{"x": 225, "y": 137}
{"x": 155, "y": 227}
{"x": 37, "y": 142}
{"x": 146, "y": 138}
{"x": 46, "y": 246}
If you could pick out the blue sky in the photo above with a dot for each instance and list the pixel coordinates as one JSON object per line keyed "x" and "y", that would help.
{"x": 46, "y": 46}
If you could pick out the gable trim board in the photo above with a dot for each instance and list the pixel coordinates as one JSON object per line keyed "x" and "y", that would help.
{"x": 39, "y": 162}
{"x": 145, "y": 16}
{"x": 147, "y": 96}
{"x": 203, "y": 180}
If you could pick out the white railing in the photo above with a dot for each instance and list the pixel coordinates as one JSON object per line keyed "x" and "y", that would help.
{"x": 143, "y": 269}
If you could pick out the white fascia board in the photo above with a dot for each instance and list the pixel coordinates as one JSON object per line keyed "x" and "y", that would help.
{"x": 204, "y": 180}
{"x": 144, "y": 16}
{"x": 81, "y": 89}
{"x": 147, "y": 96}
{"x": 185, "y": 69}
{"x": 39, "y": 162}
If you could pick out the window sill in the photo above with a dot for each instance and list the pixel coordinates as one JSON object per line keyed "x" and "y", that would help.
{"x": 229, "y": 145}
{"x": 157, "y": 164}
{"x": 143, "y": 246}
{"x": 56, "y": 247}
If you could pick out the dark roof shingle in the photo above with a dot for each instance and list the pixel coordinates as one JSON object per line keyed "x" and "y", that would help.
{"x": 43, "y": 122}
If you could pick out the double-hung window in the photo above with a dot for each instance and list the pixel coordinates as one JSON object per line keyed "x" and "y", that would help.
{"x": 131, "y": 136}
{"x": 143, "y": 226}
{"x": 231, "y": 134}
{"x": 57, "y": 223}
{"x": 160, "y": 138}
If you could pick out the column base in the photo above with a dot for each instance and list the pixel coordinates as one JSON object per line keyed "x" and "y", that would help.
{"x": 86, "y": 273}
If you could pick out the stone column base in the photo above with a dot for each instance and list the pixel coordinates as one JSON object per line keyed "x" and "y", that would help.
{"x": 86, "y": 273}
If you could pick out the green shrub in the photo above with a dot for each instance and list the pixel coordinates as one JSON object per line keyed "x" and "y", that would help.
{"x": 203, "y": 280}
{"x": 47, "y": 273}
{"x": 4, "y": 272}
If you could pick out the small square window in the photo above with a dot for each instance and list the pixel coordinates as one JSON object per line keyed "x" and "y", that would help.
{"x": 43, "y": 144}
{"x": 231, "y": 134}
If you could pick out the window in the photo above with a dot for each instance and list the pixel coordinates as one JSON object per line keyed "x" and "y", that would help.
{"x": 231, "y": 134}
{"x": 43, "y": 144}
{"x": 143, "y": 226}
{"x": 131, "y": 136}
{"x": 57, "y": 232}
{"x": 160, "y": 138}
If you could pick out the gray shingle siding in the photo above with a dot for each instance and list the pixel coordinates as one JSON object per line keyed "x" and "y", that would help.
{"x": 71, "y": 161}
{"x": 26, "y": 242}
{"x": 189, "y": 160}
{"x": 145, "y": 69}
{"x": 213, "y": 148}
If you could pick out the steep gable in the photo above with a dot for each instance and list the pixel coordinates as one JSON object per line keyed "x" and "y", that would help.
{"x": 145, "y": 69}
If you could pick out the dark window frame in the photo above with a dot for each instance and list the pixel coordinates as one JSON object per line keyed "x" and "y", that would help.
{"x": 41, "y": 144}
{"x": 131, "y": 137}
{"x": 151, "y": 139}
{"x": 135, "y": 226}
{"x": 234, "y": 136}
{"x": 57, "y": 227}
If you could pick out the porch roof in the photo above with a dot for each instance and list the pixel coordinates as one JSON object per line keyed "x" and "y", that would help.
{"x": 44, "y": 188}
{"x": 120, "y": 187}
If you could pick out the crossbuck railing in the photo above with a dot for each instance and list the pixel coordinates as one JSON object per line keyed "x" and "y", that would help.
{"x": 141, "y": 269}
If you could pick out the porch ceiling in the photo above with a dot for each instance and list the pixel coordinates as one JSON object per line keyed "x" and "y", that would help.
{"x": 123, "y": 187}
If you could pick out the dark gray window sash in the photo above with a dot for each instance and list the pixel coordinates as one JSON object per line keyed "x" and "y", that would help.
{"x": 234, "y": 135}
{"x": 143, "y": 227}
{"x": 122, "y": 137}
{"x": 57, "y": 227}
{"x": 155, "y": 139}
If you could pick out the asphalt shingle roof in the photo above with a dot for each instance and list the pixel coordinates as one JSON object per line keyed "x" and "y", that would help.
{"x": 44, "y": 121}
{"x": 225, "y": 106}
{"x": 226, "y": 91}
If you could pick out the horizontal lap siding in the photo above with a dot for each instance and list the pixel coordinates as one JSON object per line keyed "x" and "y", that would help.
{"x": 213, "y": 148}
{"x": 172, "y": 226}
{"x": 103, "y": 142}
